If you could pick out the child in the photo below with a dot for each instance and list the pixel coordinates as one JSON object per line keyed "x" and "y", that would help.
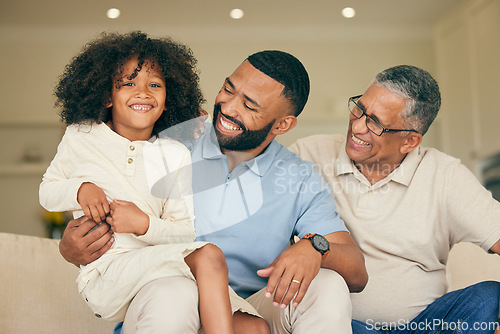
{"x": 116, "y": 96}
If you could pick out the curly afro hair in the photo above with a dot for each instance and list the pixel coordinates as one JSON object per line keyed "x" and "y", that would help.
{"x": 84, "y": 89}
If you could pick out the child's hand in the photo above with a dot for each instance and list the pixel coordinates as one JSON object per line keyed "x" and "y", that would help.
{"x": 93, "y": 202}
{"x": 126, "y": 217}
{"x": 200, "y": 127}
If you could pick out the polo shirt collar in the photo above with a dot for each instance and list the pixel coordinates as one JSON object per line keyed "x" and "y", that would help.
{"x": 210, "y": 146}
{"x": 259, "y": 165}
{"x": 403, "y": 174}
{"x": 343, "y": 164}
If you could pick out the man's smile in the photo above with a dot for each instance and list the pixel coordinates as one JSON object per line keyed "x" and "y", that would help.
{"x": 358, "y": 141}
{"x": 229, "y": 126}
{"x": 226, "y": 125}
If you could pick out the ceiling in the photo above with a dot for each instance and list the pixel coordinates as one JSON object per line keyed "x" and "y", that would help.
{"x": 215, "y": 13}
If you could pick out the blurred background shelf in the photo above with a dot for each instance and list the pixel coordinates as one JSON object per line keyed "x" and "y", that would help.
{"x": 23, "y": 169}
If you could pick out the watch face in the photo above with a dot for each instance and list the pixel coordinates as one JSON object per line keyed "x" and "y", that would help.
{"x": 320, "y": 243}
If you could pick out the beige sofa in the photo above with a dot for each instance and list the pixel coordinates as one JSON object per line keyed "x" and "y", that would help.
{"x": 38, "y": 292}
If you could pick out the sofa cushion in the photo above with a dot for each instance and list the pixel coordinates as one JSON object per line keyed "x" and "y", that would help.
{"x": 38, "y": 290}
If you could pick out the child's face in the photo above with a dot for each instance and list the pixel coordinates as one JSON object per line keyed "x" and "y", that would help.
{"x": 137, "y": 103}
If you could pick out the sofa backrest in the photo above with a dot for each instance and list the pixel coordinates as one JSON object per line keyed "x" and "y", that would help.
{"x": 38, "y": 291}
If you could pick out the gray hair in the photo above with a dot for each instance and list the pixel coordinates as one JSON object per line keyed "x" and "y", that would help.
{"x": 419, "y": 88}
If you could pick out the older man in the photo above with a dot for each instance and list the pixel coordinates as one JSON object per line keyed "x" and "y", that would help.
{"x": 406, "y": 206}
{"x": 241, "y": 206}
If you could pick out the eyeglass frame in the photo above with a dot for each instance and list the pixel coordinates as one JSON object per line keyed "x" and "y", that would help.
{"x": 363, "y": 113}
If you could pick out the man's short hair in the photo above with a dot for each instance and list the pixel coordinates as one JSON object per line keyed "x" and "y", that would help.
{"x": 421, "y": 90}
{"x": 287, "y": 70}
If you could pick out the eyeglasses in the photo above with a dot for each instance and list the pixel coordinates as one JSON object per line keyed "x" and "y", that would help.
{"x": 371, "y": 124}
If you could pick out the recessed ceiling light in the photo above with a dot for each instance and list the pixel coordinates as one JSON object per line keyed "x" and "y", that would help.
{"x": 113, "y": 13}
{"x": 348, "y": 12}
{"x": 236, "y": 14}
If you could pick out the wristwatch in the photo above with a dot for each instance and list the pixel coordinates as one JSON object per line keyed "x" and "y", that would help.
{"x": 319, "y": 243}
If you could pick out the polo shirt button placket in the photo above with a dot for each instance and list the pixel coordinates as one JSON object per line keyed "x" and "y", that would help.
{"x": 364, "y": 201}
{"x": 131, "y": 154}
{"x": 370, "y": 201}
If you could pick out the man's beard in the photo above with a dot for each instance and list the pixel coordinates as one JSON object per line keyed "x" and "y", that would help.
{"x": 245, "y": 141}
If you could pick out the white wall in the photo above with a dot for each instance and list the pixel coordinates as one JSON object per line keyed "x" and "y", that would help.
{"x": 468, "y": 56}
{"x": 468, "y": 63}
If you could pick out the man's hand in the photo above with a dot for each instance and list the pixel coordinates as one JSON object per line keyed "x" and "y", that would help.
{"x": 301, "y": 263}
{"x": 200, "y": 127}
{"x": 81, "y": 246}
{"x": 291, "y": 273}
{"x": 126, "y": 217}
{"x": 93, "y": 202}
{"x": 495, "y": 248}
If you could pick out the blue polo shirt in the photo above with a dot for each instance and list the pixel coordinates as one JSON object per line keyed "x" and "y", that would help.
{"x": 252, "y": 212}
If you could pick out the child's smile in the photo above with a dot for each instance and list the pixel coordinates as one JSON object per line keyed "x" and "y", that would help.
{"x": 141, "y": 107}
{"x": 137, "y": 102}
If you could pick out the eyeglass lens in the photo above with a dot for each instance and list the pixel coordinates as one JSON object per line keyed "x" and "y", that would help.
{"x": 370, "y": 123}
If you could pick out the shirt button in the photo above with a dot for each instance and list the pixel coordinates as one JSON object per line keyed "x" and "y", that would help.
{"x": 97, "y": 315}
{"x": 131, "y": 147}
{"x": 130, "y": 160}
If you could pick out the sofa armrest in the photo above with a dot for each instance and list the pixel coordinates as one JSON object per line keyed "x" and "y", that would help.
{"x": 469, "y": 264}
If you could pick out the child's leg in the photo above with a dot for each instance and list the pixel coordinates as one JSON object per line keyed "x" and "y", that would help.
{"x": 209, "y": 267}
{"x": 244, "y": 323}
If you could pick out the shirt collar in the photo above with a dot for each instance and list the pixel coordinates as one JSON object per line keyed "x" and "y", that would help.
{"x": 403, "y": 174}
{"x": 259, "y": 165}
{"x": 343, "y": 164}
{"x": 210, "y": 146}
